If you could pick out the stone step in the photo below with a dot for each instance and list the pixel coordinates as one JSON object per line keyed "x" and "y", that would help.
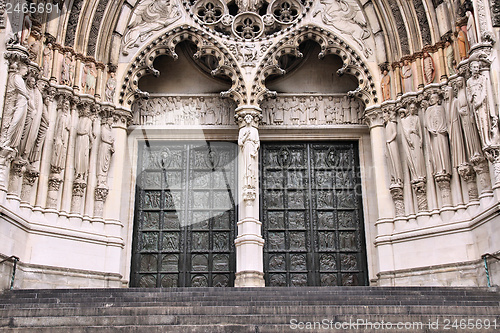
{"x": 242, "y": 310}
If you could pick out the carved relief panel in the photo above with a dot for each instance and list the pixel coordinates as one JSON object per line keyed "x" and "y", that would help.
{"x": 185, "y": 216}
{"x": 300, "y": 110}
{"x": 184, "y": 110}
{"x": 311, "y": 214}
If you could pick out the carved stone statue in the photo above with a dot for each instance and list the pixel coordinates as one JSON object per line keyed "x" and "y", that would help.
{"x": 18, "y": 100}
{"x": 435, "y": 122}
{"x": 106, "y": 149}
{"x": 312, "y": 110}
{"x": 89, "y": 79}
{"x": 61, "y": 136}
{"x": 385, "y": 86}
{"x": 36, "y": 124}
{"x": 407, "y": 76}
{"x": 471, "y": 28}
{"x": 450, "y": 58}
{"x": 462, "y": 43}
{"x": 463, "y": 118}
{"x": 48, "y": 55}
{"x": 110, "y": 88}
{"x": 429, "y": 70}
{"x": 84, "y": 138}
{"x": 393, "y": 156}
{"x": 477, "y": 93}
{"x": 412, "y": 142}
{"x": 148, "y": 17}
{"x": 66, "y": 78}
{"x": 249, "y": 143}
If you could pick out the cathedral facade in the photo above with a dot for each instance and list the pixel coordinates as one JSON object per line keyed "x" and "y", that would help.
{"x": 168, "y": 143}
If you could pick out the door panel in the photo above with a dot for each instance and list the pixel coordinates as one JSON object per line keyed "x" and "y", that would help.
{"x": 312, "y": 214}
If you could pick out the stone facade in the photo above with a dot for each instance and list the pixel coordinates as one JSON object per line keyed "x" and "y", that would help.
{"x": 421, "y": 103}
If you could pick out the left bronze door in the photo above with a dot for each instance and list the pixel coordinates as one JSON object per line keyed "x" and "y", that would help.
{"x": 185, "y": 215}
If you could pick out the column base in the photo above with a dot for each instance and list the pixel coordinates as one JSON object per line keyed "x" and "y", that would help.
{"x": 249, "y": 279}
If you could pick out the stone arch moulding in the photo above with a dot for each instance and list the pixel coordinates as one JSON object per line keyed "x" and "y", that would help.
{"x": 331, "y": 44}
{"x": 142, "y": 63}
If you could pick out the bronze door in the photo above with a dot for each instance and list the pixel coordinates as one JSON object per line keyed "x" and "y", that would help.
{"x": 311, "y": 213}
{"x": 185, "y": 215}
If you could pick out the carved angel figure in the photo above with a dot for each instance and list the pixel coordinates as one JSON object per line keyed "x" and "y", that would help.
{"x": 346, "y": 17}
{"x": 149, "y": 16}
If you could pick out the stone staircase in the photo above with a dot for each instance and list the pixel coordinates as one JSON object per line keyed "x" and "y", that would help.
{"x": 256, "y": 310}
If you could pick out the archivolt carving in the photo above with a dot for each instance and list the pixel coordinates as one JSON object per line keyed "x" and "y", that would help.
{"x": 330, "y": 44}
{"x": 165, "y": 45}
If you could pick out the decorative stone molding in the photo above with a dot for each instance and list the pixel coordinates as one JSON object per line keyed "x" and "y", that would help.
{"x": 330, "y": 44}
{"x": 165, "y": 45}
{"x": 29, "y": 179}
{"x": 374, "y": 118}
{"x": 482, "y": 169}
{"x": 100, "y": 196}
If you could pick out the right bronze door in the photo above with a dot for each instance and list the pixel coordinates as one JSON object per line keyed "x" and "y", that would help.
{"x": 311, "y": 213}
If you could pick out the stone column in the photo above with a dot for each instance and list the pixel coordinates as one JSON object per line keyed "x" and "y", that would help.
{"x": 442, "y": 62}
{"x": 249, "y": 242}
{"x": 379, "y": 173}
{"x": 480, "y": 165}
{"x": 397, "y": 78}
{"x": 469, "y": 176}
{"x": 420, "y": 72}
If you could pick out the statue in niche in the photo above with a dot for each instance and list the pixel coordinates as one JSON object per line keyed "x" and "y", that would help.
{"x": 463, "y": 129}
{"x": 210, "y": 114}
{"x": 66, "y": 77}
{"x": 302, "y": 111}
{"x": 450, "y": 58}
{"x": 279, "y": 111}
{"x": 89, "y": 78}
{"x": 471, "y": 26}
{"x": 412, "y": 142}
{"x": 435, "y": 122}
{"x": 109, "y": 94}
{"x": 407, "y": 76}
{"x": 61, "y": 136}
{"x": 478, "y": 90}
{"x": 321, "y": 110}
{"x": 26, "y": 29}
{"x": 106, "y": 149}
{"x": 18, "y": 100}
{"x": 312, "y": 110}
{"x": 148, "y": 17}
{"x": 248, "y": 5}
{"x": 385, "y": 85}
{"x": 355, "y": 109}
{"x": 462, "y": 43}
{"x": 330, "y": 110}
{"x": 48, "y": 55}
{"x": 429, "y": 69}
{"x": 295, "y": 110}
{"x": 84, "y": 139}
{"x": 249, "y": 143}
{"x": 36, "y": 124}
{"x": 391, "y": 132}
{"x": 346, "y": 17}
{"x": 346, "y": 110}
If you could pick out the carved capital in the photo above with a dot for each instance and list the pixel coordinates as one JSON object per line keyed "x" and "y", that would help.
{"x": 443, "y": 181}
{"x": 18, "y": 167}
{"x": 55, "y": 170}
{"x": 101, "y": 194}
{"x": 243, "y": 113}
{"x": 374, "y": 118}
{"x": 398, "y": 198}
{"x": 467, "y": 172}
{"x": 54, "y": 184}
{"x": 79, "y": 187}
{"x": 420, "y": 188}
{"x": 30, "y": 176}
